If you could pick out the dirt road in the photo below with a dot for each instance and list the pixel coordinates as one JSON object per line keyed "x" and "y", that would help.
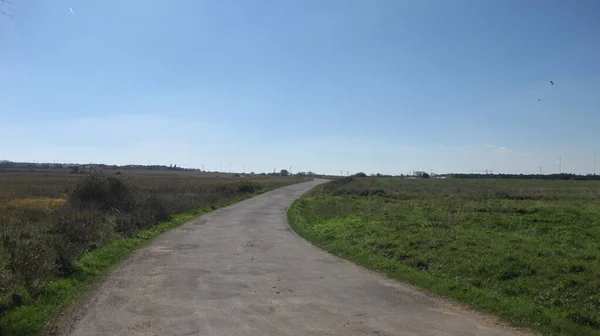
{"x": 241, "y": 271}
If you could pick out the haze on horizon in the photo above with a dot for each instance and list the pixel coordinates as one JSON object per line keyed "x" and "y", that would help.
{"x": 382, "y": 86}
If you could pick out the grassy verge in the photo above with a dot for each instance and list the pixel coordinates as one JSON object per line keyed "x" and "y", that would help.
{"x": 526, "y": 251}
{"x": 32, "y": 318}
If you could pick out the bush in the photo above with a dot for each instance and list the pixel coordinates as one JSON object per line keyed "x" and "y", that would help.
{"x": 156, "y": 207}
{"x": 30, "y": 261}
{"x": 84, "y": 227}
{"x": 361, "y": 174}
{"x": 333, "y": 186}
{"x": 77, "y": 231}
{"x": 248, "y": 187}
{"x": 103, "y": 191}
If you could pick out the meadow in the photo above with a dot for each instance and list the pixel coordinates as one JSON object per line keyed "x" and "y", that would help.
{"x": 527, "y": 251}
{"x": 60, "y": 230}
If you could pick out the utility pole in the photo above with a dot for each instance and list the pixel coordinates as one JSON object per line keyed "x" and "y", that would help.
{"x": 594, "y": 163}
{"x": 560, "y": 165}
{"x": 202, "y": 167}
{"x": 540, "y": 170}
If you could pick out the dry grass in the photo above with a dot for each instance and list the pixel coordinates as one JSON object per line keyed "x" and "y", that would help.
{"x": 50, "y": 219}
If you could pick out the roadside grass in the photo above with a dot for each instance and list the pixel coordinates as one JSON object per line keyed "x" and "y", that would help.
{"x": 60, "y": 293}
{"x": 526, "y": 251}
{"x": 58, "y": 233}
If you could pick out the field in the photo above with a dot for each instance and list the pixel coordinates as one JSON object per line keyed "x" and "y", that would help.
{"x": 527, "y": 251}
{"x": 59, "y": 231}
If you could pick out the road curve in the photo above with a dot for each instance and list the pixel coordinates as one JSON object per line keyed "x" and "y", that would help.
{"x": 240, "y": 270}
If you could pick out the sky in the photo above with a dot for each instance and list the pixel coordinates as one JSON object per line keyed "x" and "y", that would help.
{"x": 378, "y": 86}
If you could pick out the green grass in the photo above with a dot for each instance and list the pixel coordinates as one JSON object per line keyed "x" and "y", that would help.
{"x": 40, "y": 313}
{"x": 526, "y": 251}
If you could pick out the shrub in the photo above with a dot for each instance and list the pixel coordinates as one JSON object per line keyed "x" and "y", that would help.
{"x": 361, "y": 174}
{"x": 104, "y": 191}
{"x": 334, "y": 186}
{"x": 84, "y": 227}
{"x": 248, "y": 187}
{"x": 30, "y": 261}
{"x": 155, "y": 207}
{"x": 77, "y": 231}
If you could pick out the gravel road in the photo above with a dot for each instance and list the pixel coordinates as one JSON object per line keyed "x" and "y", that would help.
{"x": 240, "y": 270}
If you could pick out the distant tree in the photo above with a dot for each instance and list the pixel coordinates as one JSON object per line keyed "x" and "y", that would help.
{"x": 424, "y": 175}
{"x": 361, "y": 174}
{"x": 284, "y": 172}
{"x": 75, "y": 169}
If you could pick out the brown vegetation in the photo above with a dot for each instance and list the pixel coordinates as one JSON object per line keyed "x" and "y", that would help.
{"x": 49, "y": 219}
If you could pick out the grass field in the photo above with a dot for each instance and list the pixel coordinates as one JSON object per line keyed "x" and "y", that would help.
{"x": 525, "y": 250}
{"x": 59, "y": 231}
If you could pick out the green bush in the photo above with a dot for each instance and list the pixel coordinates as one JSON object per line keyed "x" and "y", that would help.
{"x": 77, "y": 231}
{"x": 30, "y": 261}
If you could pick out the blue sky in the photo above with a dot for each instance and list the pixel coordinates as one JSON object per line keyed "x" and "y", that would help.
{"x": 354, "y": 85}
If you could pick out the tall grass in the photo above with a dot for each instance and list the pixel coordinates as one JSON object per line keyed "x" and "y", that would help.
{"x": 46, "y": 227}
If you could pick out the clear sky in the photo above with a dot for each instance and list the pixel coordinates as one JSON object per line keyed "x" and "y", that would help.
{"x": 322, "y": 85}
